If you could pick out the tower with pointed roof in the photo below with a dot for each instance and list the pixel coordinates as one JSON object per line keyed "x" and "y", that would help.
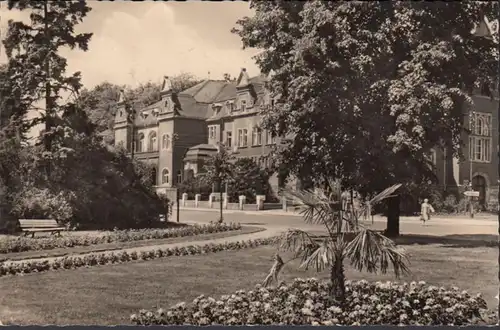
{"x": 122, "y": 126}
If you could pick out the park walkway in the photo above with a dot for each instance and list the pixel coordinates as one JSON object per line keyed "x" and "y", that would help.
{"x": 269, "y": 232}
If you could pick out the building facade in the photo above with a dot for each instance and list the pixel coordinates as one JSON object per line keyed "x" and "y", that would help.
{"x": 181, "y": 131}
{"x": 479, "y": 166}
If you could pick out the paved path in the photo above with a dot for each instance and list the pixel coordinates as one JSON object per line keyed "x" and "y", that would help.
{"x": 276, "y": 224}
{"x": 243, "y": 237}
{"x": 408, "y": 225}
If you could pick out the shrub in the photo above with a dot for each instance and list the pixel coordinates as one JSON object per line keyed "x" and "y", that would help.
{"x": 35, "y": 203}
{"x": 193, "y": 186}
{"x": 308, "y": 301}
{"x": 94, "y": 259}
{"x": 21, "y": 244}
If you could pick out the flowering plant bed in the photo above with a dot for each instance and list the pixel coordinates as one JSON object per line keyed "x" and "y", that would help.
{"x": 308, "y": 301}
{"x": 22, "y": 244}
{"x": 95, "y": 259}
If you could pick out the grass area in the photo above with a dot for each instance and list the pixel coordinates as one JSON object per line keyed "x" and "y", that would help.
{"x": 123, "y": 245}
{"x": 107, "y": 295}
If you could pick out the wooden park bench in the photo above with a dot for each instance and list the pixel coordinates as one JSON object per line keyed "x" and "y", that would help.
{"x": 40, "y": 226}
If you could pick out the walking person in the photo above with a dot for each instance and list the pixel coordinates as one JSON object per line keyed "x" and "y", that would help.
{"x": 425, "y": 211}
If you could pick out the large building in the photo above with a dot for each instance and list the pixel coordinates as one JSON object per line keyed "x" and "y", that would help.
{"x": 480, "y": 163}
{"x": 178, "y": 133}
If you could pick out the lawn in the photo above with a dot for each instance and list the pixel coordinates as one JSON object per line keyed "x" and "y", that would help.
{"x": 107, "y": 295}
{"x": 124, "y": 245}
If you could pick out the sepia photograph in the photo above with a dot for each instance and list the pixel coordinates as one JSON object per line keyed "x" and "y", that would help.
{"x": 249, "y": 163}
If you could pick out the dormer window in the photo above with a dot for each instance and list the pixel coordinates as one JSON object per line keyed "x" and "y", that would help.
{"x": 243, "y": 104}
{"x": 212, "y": 132}
{"x": 230, "y": 105}
{"x": 156, "y": 111}
{"x": 216, "y": 107}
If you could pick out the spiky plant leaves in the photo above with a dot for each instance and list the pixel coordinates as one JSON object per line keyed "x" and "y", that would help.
{"x": 373, "y": 252}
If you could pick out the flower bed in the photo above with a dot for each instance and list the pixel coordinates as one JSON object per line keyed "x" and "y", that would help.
{"x": 22, "y": 244}
{"x": 307, "y": 301}
{"x": 96, "y": 259}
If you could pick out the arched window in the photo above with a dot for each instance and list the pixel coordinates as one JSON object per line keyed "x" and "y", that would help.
{"x": 179, "y": 176}
{"x": 140, "y": 143}
{"x": 165, "y": 142}
{"x": 165, "y": 176}
{"x": 153, "y": 142}
{"x": 154, "y": 176}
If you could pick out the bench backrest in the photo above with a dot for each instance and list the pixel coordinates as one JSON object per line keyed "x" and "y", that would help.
{"x": 38, "y": 223}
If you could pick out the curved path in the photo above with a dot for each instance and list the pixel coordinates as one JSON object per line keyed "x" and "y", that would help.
{"x": 267, "y": 233}
{"x": 276, "y": 224}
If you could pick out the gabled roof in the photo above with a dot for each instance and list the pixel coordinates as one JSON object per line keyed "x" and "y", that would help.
{"x": 196, "y": 101}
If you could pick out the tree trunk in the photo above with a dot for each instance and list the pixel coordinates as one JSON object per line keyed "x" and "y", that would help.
{"x": 337, "y": 278}
{"x": 393, "y": 212}
{"x": 221, "y": 220}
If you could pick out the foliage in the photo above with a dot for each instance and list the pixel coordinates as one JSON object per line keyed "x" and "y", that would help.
{"x": 219, "y": 167}
{"x": 249, "y": 179}
{"x": 364, "y": 89}
{"x": 22, "y": 244}
{"x": 307, "y": 302}
{"x": 100, "y": 101}
{"x": 32, "y": 203}
{"x": 96, "y": 259}
{"x": 368, "y": 250}
{"x": 102, "y": 186}
{"x": 195, "y": 185}
{"x": 217, "y": 170}
{"x": 37, "y": 70}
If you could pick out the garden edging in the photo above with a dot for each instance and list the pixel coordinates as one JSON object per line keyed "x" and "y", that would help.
{"x": 144, "y": 253}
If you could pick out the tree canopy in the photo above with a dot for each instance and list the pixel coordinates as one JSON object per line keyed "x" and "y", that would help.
{"x": 364, "y": 89}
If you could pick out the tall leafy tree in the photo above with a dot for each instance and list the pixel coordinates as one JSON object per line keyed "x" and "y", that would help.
{"x": 37, "y": 70}
{"x": 364, "y": 89}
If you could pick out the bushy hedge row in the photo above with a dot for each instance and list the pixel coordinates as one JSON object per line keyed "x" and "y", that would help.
{"x": 21, "y": 244}
{"x": 95, "y": 259}
{"x": 307, "y": 301}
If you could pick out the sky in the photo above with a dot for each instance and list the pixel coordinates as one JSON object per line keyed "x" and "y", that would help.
{"x": 136, "y": 42}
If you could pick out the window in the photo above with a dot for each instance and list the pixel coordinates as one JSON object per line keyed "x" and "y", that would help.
{"x": 165, "y": 176}
{"x": 256, "y": 136}
{"x": 270, "y": 139}
{"x": 153, "y": 177}
{"x": 140, "y": 143}
{"x": 480, "y": 138}
{"x": 179, "y": 176}
{"x": 212, "y": 132}
{"x": 153, "y": 142}
{"x": 243, "y": 105}
{"x": 229, "y": 137}
{"x": 242, "y": 137}
{"x": 165, "y": 141}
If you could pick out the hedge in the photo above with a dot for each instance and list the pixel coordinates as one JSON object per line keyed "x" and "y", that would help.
{"x": 95, "y": 259}
{"x": 308, "y": 302}
{"x": 22, "y": 244}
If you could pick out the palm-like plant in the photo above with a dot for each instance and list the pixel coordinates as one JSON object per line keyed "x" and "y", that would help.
{"x": 347, "y": 239}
